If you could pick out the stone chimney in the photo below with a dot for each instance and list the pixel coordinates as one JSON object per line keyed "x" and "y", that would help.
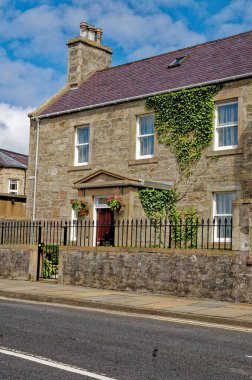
{"x": 86, "y": 54}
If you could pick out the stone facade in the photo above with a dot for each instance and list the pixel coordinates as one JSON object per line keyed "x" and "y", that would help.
{"x": 113, "y": 167}
{"x": 113, "y": 148}
{"x": 219, "y": 275}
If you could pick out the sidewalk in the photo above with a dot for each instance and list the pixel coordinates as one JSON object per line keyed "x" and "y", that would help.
{"x": 144, "y": 303}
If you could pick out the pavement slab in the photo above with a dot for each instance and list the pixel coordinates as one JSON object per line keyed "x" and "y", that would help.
{"x": 147, "y": 303}
{"x": 108, "y": 298}
{"x": 210, "y": 304}
{"x": 162, "y": 305}
{"x": 227, "y": 312}
{"x": 187, "y": 309}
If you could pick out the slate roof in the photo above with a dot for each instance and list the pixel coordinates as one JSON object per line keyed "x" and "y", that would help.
{"x": 207, "y": 62}
{"x": 10, "y": 159}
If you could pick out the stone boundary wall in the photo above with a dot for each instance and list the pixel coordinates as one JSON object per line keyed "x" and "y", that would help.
{"x": 214, "y": 275}
{"x": 218, "y": 275}
{"x": 18, "y": 263}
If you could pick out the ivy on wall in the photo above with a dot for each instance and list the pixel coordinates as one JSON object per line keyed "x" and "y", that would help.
{"x": 184, "y": 120}
{"x": 158, "y": 203}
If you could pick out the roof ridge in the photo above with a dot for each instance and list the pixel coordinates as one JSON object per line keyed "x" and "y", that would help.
{"x": 177, "y": 50}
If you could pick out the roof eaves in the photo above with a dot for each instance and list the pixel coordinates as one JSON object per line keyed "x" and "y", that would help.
{"x": 98, "y": 105}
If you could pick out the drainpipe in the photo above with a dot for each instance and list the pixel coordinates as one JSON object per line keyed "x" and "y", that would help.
{"x": 35, "y": 173}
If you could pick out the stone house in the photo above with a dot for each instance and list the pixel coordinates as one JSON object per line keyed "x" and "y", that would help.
{"x": 95, "y": 138}
{"x": 13, "y": 167}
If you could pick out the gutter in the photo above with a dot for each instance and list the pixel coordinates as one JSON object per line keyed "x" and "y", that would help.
{"x": 35, "y": 173}
{"x": 227, "y": 79}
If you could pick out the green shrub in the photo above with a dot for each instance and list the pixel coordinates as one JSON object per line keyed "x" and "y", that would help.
{"x": 50, "y": 260}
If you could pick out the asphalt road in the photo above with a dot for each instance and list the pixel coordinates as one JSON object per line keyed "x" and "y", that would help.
{"x": 119, "y": 347}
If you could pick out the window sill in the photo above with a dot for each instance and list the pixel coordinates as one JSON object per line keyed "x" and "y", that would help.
{"x": 224, "y": 152}
{"x": 143, "y": 161}
{"x": 79, "y": 168}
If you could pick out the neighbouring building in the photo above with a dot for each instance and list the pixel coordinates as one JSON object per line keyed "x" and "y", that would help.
{"x": 13, "y": 167}
{"x": 96, "y": 138}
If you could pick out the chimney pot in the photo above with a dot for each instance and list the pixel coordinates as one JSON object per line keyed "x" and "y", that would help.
{"x": 98, "y": 33}
{"x": 91, "y": 32}
{"x": 84, "y": 29}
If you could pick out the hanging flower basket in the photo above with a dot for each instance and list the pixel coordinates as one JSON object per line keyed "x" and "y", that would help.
{"x": 80, "y": 205}
{"x": 115, "y": 203}
{"x": 84, "y": 212}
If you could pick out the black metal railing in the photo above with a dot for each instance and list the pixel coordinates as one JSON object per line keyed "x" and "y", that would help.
{"x": 143, "y": 233}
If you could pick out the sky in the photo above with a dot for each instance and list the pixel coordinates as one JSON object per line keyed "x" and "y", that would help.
{"x": 33, "y": 36}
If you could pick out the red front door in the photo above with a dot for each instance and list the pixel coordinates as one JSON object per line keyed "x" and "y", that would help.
{"x": 105, "y": 227}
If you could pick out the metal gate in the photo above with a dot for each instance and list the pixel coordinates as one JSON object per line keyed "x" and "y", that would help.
{"x": 48, "y": 261}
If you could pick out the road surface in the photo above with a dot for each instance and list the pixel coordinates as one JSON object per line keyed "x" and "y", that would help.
{"x": 39, "y": 341}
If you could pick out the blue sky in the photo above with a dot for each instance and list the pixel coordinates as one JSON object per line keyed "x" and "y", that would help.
{"x": 33, "y": 36}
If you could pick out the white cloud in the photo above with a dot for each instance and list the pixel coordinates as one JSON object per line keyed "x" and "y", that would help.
{"x": 41, "y": 32}
{"x": 232, "y": 19}
{"x": 153, "y": 5}
{"x": 34, "y": 63}
{"x": 33, "y": 54}
{"x": 234, "y": 9}
{"x": 23, "y": 83}
{"x": 14, "y": 128}
{"x": 138, "y": 34}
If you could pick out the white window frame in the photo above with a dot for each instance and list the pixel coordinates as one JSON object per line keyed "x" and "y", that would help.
{"x": 86, "y": 126}
{"x": 11, "y": 191}
{"x": 217, "y": 127}
{"x": 216, "y": 216}
{"x": 138, "y": 137}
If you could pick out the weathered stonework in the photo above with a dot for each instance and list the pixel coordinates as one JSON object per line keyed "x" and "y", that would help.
{"x": 213, "y": 275}
{"x": 17, "y": 263}
{"x": 216, "y": 275}
{"x": 85, "y": 57}
{"x": 113, "y": 148}
{"x": 12, "y": 173}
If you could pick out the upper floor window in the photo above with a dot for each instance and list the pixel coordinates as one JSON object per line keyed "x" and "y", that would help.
{"x": 145, "y": 136}
{"x": 82, "y": 145}
{"x": 226, "y": 126}
{"x": 13, "y": 186}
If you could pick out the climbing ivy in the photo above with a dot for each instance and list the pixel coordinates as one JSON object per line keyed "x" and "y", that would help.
{"x": 158, "y": 203}
{"x": 184, "y": 120}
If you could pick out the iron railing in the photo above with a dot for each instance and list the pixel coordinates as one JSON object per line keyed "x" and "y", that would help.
{"x": 197, "y": 234}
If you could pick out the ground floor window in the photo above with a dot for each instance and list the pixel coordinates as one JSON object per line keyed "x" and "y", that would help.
{"x": 223, "y": 214}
